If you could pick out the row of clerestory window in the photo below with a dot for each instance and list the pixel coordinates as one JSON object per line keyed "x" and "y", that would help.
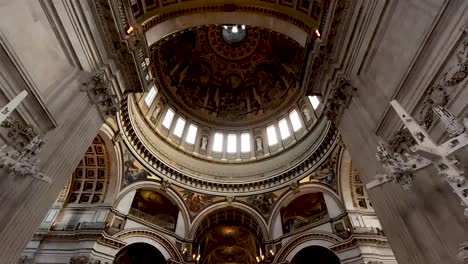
{"x": 232, "y": 139}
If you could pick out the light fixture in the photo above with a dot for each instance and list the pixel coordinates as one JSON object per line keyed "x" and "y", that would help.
{"x": 235, "y": 29}
{"x": 130, "y": 30}
{"x": 317, "y": 33}
{"x": 272, "y": 253}
{"x": 243, "y": 26}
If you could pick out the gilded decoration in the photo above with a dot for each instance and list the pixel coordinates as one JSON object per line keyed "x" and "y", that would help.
{"x": 229, "y": 82}
{"x": 134, "y": 171}
{"x": 263, "y": 202}
{"x": 196, "y": 201}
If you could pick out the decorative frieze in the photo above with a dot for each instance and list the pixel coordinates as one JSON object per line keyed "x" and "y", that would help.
{"x": 85, "y": 260}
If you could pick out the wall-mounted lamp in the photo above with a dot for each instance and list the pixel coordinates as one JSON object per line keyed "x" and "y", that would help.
{"x": 130, "y": 30}
{"x": 317, "y": 33}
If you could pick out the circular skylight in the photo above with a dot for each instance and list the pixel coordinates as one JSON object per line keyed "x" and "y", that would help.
{"x": 234, "y": 33}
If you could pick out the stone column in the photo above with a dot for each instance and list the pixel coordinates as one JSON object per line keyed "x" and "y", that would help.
{"x": 26, "y": 200}
{"x": 423, "y": 225}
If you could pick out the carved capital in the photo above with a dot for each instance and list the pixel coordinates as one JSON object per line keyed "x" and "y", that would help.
{"x": 99, "y": 90}
{"x": 339, "y": 99}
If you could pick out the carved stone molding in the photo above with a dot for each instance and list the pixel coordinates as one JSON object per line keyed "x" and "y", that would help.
{"x": 230, "y": 200}
{"x": 20, "y": 155}
{"x": 339, "y": 99}
{"x": 402, "y": 141}
{"x": 99, "y": 90}
{"x": 26, "y": 260}
{"x": 463, "y": 254}
{"x": 439, "y": 94}
{"x": 85, "y": 260}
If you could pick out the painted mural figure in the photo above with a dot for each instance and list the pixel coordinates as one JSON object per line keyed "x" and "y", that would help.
{"x": 196, "y": 201}
{"x": 132, "y": 173}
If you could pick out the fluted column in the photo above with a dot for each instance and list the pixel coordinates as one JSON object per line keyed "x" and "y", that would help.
{"x": 25, "y": 200}
{"x": 423, "y": 225}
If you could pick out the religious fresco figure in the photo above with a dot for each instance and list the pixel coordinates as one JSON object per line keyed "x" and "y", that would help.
{"x": 131, "y": 172}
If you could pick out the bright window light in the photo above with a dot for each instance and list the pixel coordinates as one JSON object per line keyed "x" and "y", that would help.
{"x": 232, "y": 143}
{"x": 284, "y": 129}
{"x": 271, "y": 133}
{"x": 245, "y": 142}
{"x": 191, "y": 134}
{"x": 295, "y": 121}
{"x": 168, "y": 118}
{"x": 314, "y": 100}
{"x": 218, "y": 142}
{"x": 149, "y": 98}
{"x": 179, "y": 127}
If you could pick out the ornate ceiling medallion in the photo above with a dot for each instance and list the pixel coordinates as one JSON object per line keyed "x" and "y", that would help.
{"x": 227, "y": 76}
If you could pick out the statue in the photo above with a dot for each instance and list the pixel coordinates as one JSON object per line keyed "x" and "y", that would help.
{"x": 306, "y": 113}
{"x": 259, "y": 142}
{"x": 204, "y": 142}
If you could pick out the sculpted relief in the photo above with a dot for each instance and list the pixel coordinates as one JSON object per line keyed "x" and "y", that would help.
{"x": 230, "y": 81}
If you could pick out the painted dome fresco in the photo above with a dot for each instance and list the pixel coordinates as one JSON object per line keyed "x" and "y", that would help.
{"x": 229, "y": 78}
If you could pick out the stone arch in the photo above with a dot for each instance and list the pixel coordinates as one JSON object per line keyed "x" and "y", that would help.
{"x": 115, "y": 178}
{"x": 353, "y": 191}
{"x": 294, "y": 245}
{"x": 315, "y": 254}
{"x": 157, "y": 31}
{"x": 252, "y": 212}
{"x": 140, "y": 252}
{"x": 331, "y": 198}
{"x": 125, "y": 198}
{"x": 165, "y": 246}
{"x": 95, "y": 179}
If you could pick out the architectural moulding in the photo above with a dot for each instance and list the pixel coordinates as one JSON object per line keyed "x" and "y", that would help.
{"x": 26, "y": 260}
{"x": 100, "y": 92}
{"x": 463, "y": 255}
{"x": 400, "y": 167}
{"x": 124, "y": 44}
{"x": 85, "y": 260}
{"x": 156, "y": 160}
{"x": 20, "y": 155}
{"x": 339, "y": 99}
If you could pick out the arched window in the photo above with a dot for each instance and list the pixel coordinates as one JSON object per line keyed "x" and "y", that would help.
{"x": 90, "y": 178}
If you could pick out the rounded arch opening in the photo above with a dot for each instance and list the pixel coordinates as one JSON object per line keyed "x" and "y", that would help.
{"x": 316, "y": 255}
{"x": 139, "y": 253}
{"x": 228, "y": 235}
